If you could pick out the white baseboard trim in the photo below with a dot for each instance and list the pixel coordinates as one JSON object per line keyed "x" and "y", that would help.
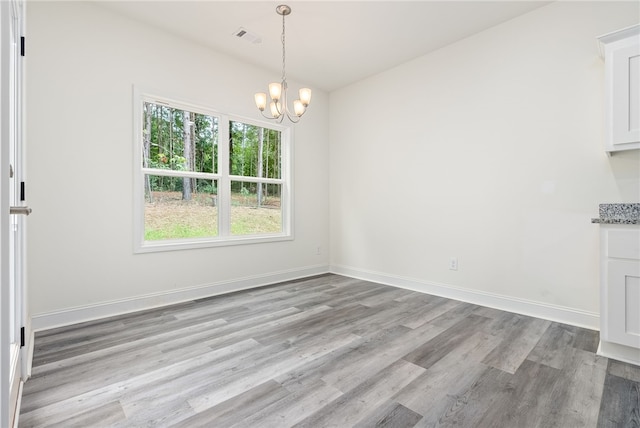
{"x": 16, "y": 416}
{"x": 118, "y": 307}
{"x": 619, "y": 352}
{"x": 29, "y": 354}
{"x": 565, "y": 315}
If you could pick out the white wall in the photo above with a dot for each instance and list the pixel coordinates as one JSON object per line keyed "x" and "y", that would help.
{"x": 82, "y": 63}
{"x": 491, "y": 150}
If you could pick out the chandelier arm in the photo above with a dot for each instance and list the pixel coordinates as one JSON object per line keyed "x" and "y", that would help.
{"x": 294, "y": 118}
{"x": 265, "y": 116}
{"x": 285, "y": 106}
{"x": 276, "y": 119}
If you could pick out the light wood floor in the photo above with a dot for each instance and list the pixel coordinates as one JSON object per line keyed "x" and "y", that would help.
{"x": 326, "y": 351}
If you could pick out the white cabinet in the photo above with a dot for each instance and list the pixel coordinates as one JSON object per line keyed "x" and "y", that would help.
{"x": 620, "y": 291}
{"x": 623, "y": 311}
{"x": 621, "y": 53}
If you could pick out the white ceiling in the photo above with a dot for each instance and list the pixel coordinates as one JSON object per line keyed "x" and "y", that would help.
{"x": 330, "y": 44}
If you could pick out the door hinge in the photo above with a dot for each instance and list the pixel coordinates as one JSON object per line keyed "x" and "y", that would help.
{"x": 22, "y": 196}
{"x": 22, "y": 337}
{"x": 22, "y": 46}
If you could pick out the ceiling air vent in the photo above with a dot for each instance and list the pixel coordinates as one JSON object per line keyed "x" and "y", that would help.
{"x": 247, "y": 35}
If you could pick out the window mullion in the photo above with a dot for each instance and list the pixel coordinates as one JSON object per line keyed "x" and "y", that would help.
{"x": 224, "y": 187}
{"x": 180, "y": 173}
{"x": 256, "y": 179}
{"x": 286, "y": 177}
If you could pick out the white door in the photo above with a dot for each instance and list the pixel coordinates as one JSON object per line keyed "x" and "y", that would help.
{"x": 13, "y": 206}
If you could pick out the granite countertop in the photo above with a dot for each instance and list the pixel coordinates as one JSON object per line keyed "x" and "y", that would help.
{"x": 618, "y": 214}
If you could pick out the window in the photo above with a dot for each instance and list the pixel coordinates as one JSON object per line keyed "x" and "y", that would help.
{"x": 207, "y": 179}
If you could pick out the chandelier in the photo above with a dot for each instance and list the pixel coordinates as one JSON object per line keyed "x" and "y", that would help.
{"x": 278, "y": 91}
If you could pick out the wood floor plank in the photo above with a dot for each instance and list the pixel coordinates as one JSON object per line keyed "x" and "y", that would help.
{"x": 385, "y": 315}
{"x": 91, "y": 356}
{"x": 292, "y": 408}
{"x": 337, "y": 320}
{"x": 523, "y": 401}
{"x": 237, "y": 408}
{"x": 352, "y": 407}
{"x": 437, "y": 348}
{"x": 585, "y": 339}
{"x": 191, "y": 378}
{"x": 244, "y": 380}
{"x": 337, "y": 366}
{"x": 54, "y": 404}
{"x": 483, "y": 389}
{"x": 430, "y": 312}
{"x": 108, "y": 334}
{"x": 623, "y": 370}
{"x": 431, "y": 393}
{"x": 241, "y": 330}
{"x": 553, "y": 346}
{"x": 520, "y": 335}
{"x": 109, "y": 414}
{"x": 384, "y": 296}
{"x": 87, "y": 372}
{"x": 577, "y": 393}
{"x": 620, "y": 407}
{"x": 325, "y": 351}
{"x": 374, "y": 355}
{"x": 390, "y": 414}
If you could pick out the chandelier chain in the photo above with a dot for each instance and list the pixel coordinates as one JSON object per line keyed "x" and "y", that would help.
{"x": 283, "y": 50}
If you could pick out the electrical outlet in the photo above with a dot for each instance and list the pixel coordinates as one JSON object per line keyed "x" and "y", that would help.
{"x": 453, "y": 263}
{"x": 318, "y": 251}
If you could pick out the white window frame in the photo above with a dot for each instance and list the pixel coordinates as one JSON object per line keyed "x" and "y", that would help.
{"x": 222, "y": 177}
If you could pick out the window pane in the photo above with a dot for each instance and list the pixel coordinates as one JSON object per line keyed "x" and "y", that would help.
{"x": 178, "y": 208}
{"x": 255, "y": 208}
{"x": 254, "y": 151}
{"x": 179, "y": 140}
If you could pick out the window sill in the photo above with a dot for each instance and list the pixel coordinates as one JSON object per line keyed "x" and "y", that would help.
{"x": 179, "y": 244}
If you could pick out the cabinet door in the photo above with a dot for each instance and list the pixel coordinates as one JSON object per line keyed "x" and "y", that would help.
{"x": 623, "y": 302}
{"x": 625, "y": 102}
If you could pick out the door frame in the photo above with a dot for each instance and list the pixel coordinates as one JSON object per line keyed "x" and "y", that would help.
{"x": 12, "y": 227}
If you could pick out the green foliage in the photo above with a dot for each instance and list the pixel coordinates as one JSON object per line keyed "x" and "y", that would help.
{"x": 170, "y": 217}
{"x": 162, "y": 161}
{"x": 178, "y": 231}
{"x": 165, "y": 184}
{"x": 205, "y": 186}
{"x": 245, "y": 151}
{"x": 256, "y": 222}
{"x": 165, "y": 130}
{"x": 159, "y": 183}
{"x": 165, "y": 133}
